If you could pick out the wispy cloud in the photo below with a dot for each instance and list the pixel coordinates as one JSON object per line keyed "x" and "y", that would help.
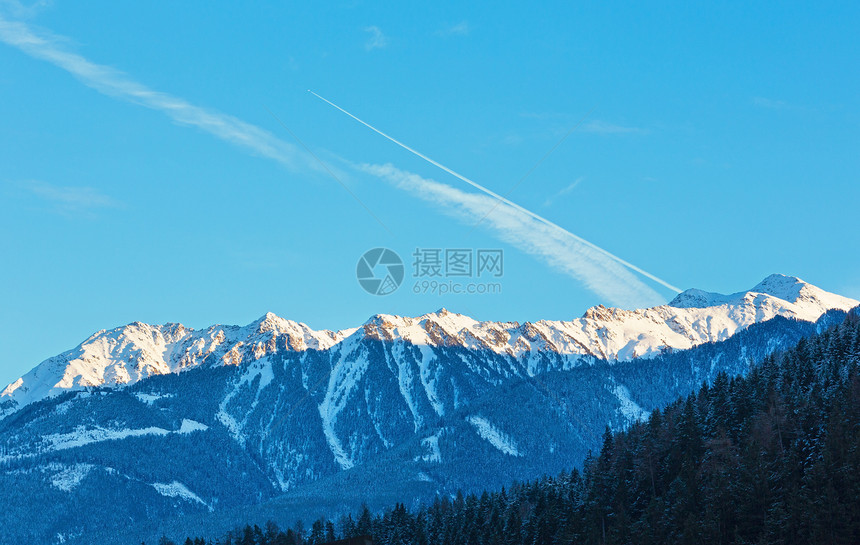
{"x": 564, "y": 191}
{"x": 770, "y": 103}
{"x": 24, "y": 11}
{"x": 114, "y": 83}
{"x": 542, "y": 116}
{"x": 69, "y": 199}
{"x": 563, "y": 255}
{"x": 553, "y": 123}
{"x": 603, "y": 127}
{"x": 460, "y": 29}
{"x": 377, "y": 39}
{"x": 595, "y": 268}
{"x": 556, "y": 247}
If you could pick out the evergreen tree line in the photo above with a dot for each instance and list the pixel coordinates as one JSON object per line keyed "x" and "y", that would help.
{"x": 772, "y": 457}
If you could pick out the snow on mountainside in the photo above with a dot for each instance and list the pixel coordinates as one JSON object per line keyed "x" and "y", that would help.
{"x": 125, "y": 355}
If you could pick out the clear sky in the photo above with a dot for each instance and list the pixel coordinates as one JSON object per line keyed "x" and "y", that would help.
{"x": 143, "y": 175}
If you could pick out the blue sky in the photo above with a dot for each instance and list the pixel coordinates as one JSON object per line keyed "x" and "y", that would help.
{"x": 718, "y": 145}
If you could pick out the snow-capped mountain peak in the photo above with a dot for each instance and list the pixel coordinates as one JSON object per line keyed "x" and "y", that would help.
{"x": 696, "y": 298}
{"x": 127, "y": 354}
{"x": 787, "y": 288}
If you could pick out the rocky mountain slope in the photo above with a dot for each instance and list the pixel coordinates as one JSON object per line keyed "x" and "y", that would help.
{"x": 147, "y": 423}
{"x": 127, "y": 354}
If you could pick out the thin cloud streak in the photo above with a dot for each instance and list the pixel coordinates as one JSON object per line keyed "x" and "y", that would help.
{"x": 564, "y": 191}
{"x": 71, "y": 199}
{"x": 22, "y": 11}
{"x": 460, "y": 29}
{"x": 602, "y": 127}
{"x": 377, "y": 40}
{"x": 555, "y": 246}
{"x": 595, "y": 268}
{"x": 498, "y": 199}
{"x": 114, "y": 83}
{"x": 596, "y": 126}
{"x": 770, "y": 103}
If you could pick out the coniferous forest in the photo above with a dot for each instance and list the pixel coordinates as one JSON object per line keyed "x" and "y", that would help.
{"x": 772, "y": 457}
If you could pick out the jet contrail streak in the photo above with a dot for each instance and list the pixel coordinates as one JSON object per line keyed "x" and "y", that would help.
{"x": 503, "y": 199}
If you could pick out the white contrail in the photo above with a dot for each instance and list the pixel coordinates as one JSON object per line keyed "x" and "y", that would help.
{"x": 504, "y": 200}
{"x": 599, "y": 270}
{"x": 611, "y": 281}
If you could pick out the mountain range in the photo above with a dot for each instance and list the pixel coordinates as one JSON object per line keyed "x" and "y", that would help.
{"x": 146, "y": 423}
{"x": 128, "y": 354}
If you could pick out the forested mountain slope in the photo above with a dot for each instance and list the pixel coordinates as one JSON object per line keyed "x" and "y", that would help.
{"x": 772, "y": 457}
{"x": 274, "y": 420}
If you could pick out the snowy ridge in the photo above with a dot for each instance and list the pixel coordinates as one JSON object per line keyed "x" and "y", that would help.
{"x": 69, "y": 477}
{"x": 442, "y": 400}
{"x": 149, "y": 399}
{"x": 179, "y": 490}
{"x": 694, "y": 317}
{"x": 127, "y": 354}
{"x": 431, "y": 443}
{"x": 261, "y": 368}
{"x": 84, "y": 436}
{"x": 493, "y": 435}
{"x": 629, "y": 408}
{"x": 342, "y": 381}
